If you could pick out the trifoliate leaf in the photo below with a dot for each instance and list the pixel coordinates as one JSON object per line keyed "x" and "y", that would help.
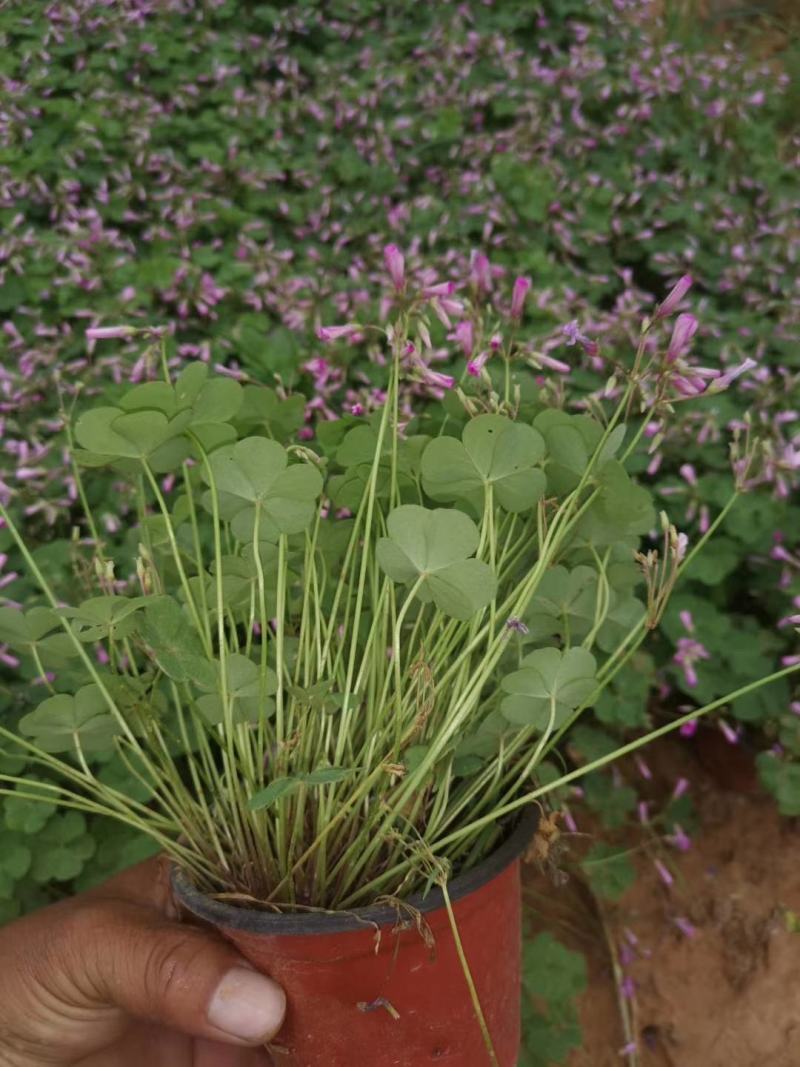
{"x": 433, "y": 546}
{"x": 493, "y": 451}
{"x": 549, "y": 686}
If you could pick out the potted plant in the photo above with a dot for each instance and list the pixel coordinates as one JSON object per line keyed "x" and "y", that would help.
{"x": 335, "y": 674}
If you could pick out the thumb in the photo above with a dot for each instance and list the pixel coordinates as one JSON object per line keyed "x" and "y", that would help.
{"x": 181, "y": 976}
{"x": 80, "y": 970}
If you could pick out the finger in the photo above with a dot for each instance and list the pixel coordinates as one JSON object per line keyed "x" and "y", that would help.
{"x": 178, "y": 975}
{"x": 78, "y": 972}
{"x": 146, "y": 883}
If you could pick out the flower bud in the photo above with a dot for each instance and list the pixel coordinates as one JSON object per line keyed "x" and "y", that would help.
{"x": 679, "y": 291}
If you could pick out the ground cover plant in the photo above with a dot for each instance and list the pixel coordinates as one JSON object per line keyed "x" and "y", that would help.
{"x": 222, "y": 174}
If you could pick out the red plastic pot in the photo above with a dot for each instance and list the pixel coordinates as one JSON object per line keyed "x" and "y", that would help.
{"x": 363, "y": 989}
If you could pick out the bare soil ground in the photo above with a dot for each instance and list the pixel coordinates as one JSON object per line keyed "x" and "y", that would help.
{"x": 729, "y": 996}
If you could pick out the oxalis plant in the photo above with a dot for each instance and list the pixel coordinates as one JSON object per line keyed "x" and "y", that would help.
{"x": 337, "y": 674}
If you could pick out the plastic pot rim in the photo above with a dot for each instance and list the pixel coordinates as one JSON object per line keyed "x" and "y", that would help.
{"x": 292, "y": 924}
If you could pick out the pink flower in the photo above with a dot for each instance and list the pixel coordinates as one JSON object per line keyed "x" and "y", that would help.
{"x": 481, "y": 273}
{"x": 684, "y": 926}
{"x": 552, "y": 364}
{"x": 688, "y": 653}
{"x": 689, "y": 729}
{"x": 680, "y": 839}
{"x": 396, "y": 266}
{"x": 336, "y": 333}
{"x": 682, "y": 786}
{"x": 728, "y": 376}
{"x": 439, "y": 289}
{"x": 688, "y": 473}
{"x": 573, "y": 335}
{"x": 663, "y": 872}
{"x": 518, "y": 294}
{"x": 475, "y": 366}
{"x": 465, "y": 335}
{"x": 109, "y": 333}
{"x": 729, "y": 733}
{"x": 687, "y": 621}
{"x": 679, "y": 291}
{"x": 682, "y": 334}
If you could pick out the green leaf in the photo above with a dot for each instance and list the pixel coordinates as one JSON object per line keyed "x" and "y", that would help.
{"x": 254, "y": 474}
{"x": 282, "y": 787}
{"x": 549, "y": 685}
{"x": 23, "y": 630}
{"x": 61, "y": 721}
{"x": 612, "y": 802}
{"x": 279, "y": 787}
{"x": 433, "y": 546}
{"x": 246, "y": 690}
{"x": 621, "y": 508}
{"x": 176, "y": 645}
{"x": 25, "y": 815}
{"x": 219, "y": 400}
{"x": 552, "y": 971}
{"x": 104, "y": 616}
{"x": 610, "y": 872}
{"x": 564, "y": 603}
{"x": 782, "y": 778}
{"x": 62, "y": 848}
{"x": 494, "y": 451}
{"x": 326, "y": 775}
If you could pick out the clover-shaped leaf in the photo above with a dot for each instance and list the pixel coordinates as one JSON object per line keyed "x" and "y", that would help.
{"x": 114, "y": 433}
{"x": 621, "y": 509}
{"x": 104, "y": 616}
{"x": 176, "y": 645}
{"x": 263, "y": 409}
{"x": 493, "y": 451}
{"x": 549, "y": 685}
{"x": 564, "y": 603}
{"x": 23, "y": 630}
{"x": 432, "y": 548}
{"x": 62, "y": 848}
{"x": 249, "y": 695}
{"x": 62, "y": 722}
{"x": 254, "y": 475}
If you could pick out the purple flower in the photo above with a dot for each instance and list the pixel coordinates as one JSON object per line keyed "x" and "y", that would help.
{"x": 518, "y": 294}
{"x": 687, "y": 622}
{"x": 552, "y": 364}
{"x": 688, "y": 473}
{"x": 439, "y": 289}
{"x": 689, "y": 729}
{"x": 663, "y": 872}
{"x": 516, "y": 625}
{"x": 684, "y": 926}
{"x": 688, "y": 653}
{"x": 682, "y": 334}
{"x": 481, "y": 273}
{"x": 574, "y": 336}
{"x": 728, "y": 376}
{"x": 464, "y": 333}
{"x": 729, "y": 733}
{"x": 475, "y": 366}
{"x": 680, "y": 839}
{"x": 572, "y": 332}
{"x": 109, "y": 333}
{"x": 337, "y": 333}
{"x": 396, "y": 266}
{"x": 681, "y": 288}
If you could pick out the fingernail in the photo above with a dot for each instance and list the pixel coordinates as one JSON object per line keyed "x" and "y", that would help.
{"x": 247, "y": 1006}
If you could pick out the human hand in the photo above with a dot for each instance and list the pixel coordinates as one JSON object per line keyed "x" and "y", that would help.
{"x": 110, "y": 979}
